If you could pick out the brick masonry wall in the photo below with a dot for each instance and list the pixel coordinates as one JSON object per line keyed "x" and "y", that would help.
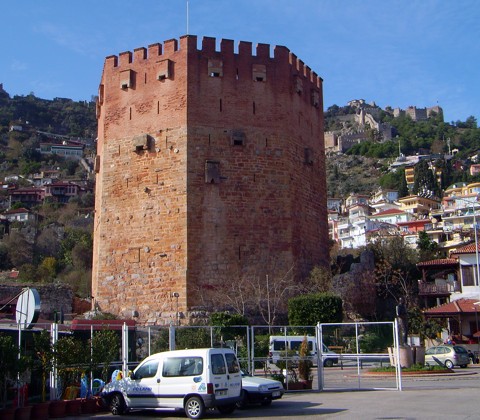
{"x": 160, "y": 227}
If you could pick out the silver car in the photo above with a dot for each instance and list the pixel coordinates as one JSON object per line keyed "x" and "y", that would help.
{"x": 448, "y": 355}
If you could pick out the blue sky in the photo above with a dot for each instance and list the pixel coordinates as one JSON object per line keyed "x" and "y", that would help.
{"x": 396, "y": 53}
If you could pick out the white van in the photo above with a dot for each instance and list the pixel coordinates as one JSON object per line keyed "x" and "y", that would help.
{"x": 192, "y": 380}
{"x": 279, "y": 344}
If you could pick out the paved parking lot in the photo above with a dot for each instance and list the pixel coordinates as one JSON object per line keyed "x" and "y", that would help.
{"x": 454, "y": 396}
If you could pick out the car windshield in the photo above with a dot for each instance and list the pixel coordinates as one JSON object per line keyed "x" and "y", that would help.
{"x": 244, "y": 373}
{"x": 459, "y": 349}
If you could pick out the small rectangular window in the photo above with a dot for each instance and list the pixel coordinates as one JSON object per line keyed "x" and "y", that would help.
{"x": 140, "y": 142}
{"x": 96, "y": 166}
{"x": 164, "y": 69}
{"x": 147, "y": 370}
{"x": 212, "y": 172}
{"x": 215, "y": 67}
{"x": 126, "y": 79}
{"x": 308, "y": 156}
{"x": 298, "y": 84}
{"x": 232, "y": 363}
{"x": 238, "y": 138}
{"x": 467, "y": 275}
{"x": 295, "y": 345}
{"x": 218, "y": 364}
{"x": 259, "y": 73}
{"x": 315, "y": 95}
{"x": 182, "y": 366}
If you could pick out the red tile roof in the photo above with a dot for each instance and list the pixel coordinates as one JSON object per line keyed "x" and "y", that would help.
{"x": 387, "y": 212}
{"x": 440, "y": 262}
{"x": 17, "y": 211}
{"x": 101, "y": 324}
{"x": 467, "y": 249}
{"x": 459, "y": 306}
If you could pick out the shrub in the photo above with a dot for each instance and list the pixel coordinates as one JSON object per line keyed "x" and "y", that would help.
{"x": 314, "y": 308}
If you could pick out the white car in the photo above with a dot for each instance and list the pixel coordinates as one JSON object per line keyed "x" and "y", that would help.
{"x": 193, "y": 380}
{"x": 257, "y": 390}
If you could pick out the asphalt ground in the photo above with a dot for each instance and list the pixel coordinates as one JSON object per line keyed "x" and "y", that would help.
{"x": 450, "y": 396}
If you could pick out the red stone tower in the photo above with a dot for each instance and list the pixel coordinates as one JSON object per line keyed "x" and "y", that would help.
{"x": 210, "y": 168}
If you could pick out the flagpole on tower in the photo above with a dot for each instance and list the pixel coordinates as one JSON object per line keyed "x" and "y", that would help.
{"x": 187, "y": 18}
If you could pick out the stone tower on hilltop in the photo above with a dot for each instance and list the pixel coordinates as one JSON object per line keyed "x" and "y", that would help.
{"x": 210, "y": 169}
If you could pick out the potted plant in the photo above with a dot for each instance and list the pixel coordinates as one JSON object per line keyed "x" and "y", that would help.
{"x": 305, "y": 364}
{"x": 288, "y": 366}
{"x": 10, "y": 367}
{"x": 43, "y": 350}
{"x": 104, "y": 347}
{"x": 70, "y": 360}
{"x": 8, "y": 354}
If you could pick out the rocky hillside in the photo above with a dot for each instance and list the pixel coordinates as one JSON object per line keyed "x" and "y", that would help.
{"x": 347, "y": 174}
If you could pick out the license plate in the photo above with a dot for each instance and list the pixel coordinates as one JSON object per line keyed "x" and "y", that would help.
{"x": 276, "y": 394}
{"x": 221, "y": 393}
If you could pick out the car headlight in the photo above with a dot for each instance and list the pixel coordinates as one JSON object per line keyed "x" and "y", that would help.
{"x": 263, "y": 388}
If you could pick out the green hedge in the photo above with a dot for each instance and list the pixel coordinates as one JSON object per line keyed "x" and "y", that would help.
{"x": 314, "y": 308}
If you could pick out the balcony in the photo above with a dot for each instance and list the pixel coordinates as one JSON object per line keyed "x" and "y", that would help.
{"x": 438, "y": 289}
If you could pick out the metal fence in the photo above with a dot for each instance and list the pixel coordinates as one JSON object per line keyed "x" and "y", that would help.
{"x": 355, "y": 347}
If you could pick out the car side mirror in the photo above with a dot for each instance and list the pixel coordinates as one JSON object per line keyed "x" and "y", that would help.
{"x": 133, "y": 376}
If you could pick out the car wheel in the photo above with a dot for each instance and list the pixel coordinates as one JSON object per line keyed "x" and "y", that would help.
{"x": 267, "y": 402}
{"x": 117, "y": 405}
{"x": 328, "y": 363}
{"x": 244, "y": 401}
{"x": 194, "y": 408}
{"x": 449, "y": 364}
{"x": 226, "y": 409}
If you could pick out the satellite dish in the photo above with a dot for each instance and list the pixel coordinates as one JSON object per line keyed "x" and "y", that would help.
{"x": 28, "y": 308}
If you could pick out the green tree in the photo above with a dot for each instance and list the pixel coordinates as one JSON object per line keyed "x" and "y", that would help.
{"x": 47, "y": 269}
{"x": 427, "y": 248}
{"x": 424, "y": 180}
{"x": 105, "y": 350}
{"x": 424, "y": 327}
{"x": 227, "y": 323}
{"x": 8, "y": 356}
{"x": 11, "y": 365}
{"x": 403, "y": 187}
{"x": 70, "y": 360}
{"x": 43, "y": 348}
{"x": 310, "y": 309}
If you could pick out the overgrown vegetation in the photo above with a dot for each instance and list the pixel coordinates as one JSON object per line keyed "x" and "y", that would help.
{"x": 56, "y": 245}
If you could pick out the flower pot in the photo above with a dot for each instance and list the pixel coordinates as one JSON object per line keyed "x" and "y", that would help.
{"x": 294, "y": 386}
{"x": 40, "y": 411}
{"x": 73, "y": 407}
{"x": 57, "y": 409}
{"x": 307, "y": 383}
{"x": 100, "y": 405}
{"x": 23, "y": 413}
{"x": 7, "y": 414}
{"x": 89, "y": 406}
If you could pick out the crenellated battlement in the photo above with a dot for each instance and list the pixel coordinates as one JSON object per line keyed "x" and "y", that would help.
{"x": 188, "y": 44}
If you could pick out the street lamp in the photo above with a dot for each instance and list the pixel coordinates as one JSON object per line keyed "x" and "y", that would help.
{"x": 176, "y": 295}
{"x": 476, "y": 322}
